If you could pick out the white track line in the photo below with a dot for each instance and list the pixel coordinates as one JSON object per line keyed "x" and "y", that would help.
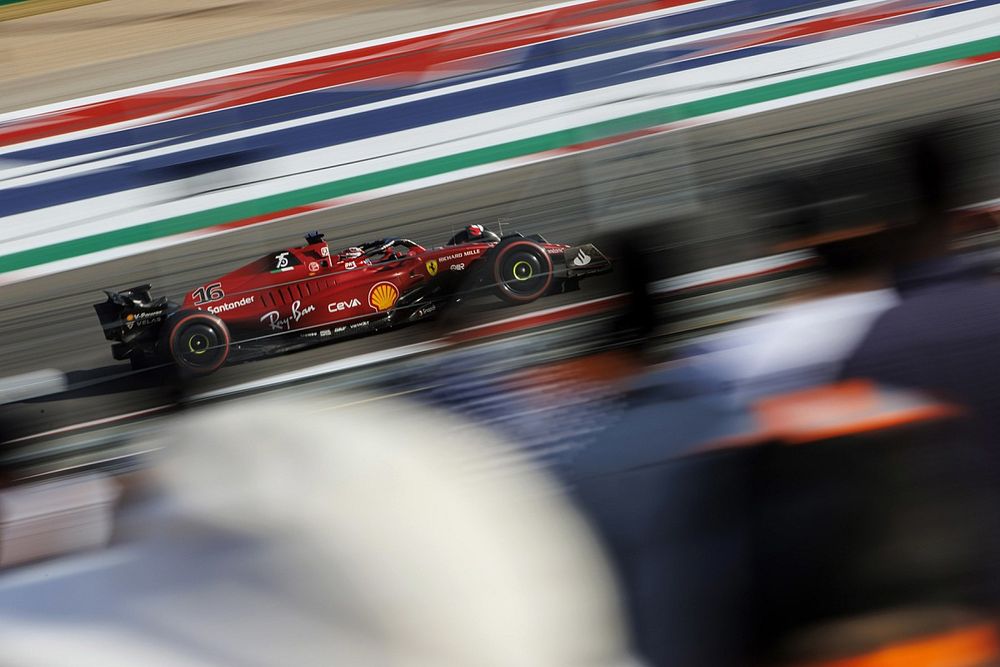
{"x": 241, "y": 69}
{"x": 143, "y": 121}
{"x": 336, "y": 366}
{"x": 93, "y": 422}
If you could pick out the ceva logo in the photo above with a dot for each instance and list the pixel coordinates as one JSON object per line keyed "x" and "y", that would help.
{"x": 343, "y": 305}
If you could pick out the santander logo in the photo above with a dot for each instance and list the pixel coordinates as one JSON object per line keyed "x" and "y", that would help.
{"x": 581, "y": 259}
{"x": 245, "y": 301}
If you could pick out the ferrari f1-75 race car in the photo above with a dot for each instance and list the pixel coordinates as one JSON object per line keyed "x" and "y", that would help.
{"x": 301, "y": 296}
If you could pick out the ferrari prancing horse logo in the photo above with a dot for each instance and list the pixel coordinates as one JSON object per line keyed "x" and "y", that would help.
{"x": 432, "y": 267}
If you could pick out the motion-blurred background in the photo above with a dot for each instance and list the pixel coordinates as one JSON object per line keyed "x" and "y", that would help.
{"x": 766, "y": 437}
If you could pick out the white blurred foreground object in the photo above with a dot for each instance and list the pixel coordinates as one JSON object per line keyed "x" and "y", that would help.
{"x": 31, "y": 385}
{"x": 53, "y": 518}
{"x": 300, "y": 534}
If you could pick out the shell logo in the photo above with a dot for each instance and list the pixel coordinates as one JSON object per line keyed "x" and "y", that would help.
{"x": 383, "y": 296}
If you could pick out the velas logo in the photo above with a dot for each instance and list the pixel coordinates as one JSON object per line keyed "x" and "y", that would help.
{"x": 383, "y": 296}
{"x": 432, "y": 267}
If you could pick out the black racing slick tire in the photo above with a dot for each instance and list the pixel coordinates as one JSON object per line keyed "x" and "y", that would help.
{"x": 521, "y": 271}
{"x": 197, "y": 342}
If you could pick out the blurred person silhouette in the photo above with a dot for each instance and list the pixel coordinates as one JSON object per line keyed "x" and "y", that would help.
{"x": 864, "y": 503}
{"x": 737, "y": 521}
{"x": 597, "y": 414}
{"x": 943, "y": 336}
{"x": 876, "y": 513}
{"x": 843, "y": 210}
{"x": 812, "y": 508}
{"x": 931, "y": 636}
{"x": 636, "y": 480}
{"x": 273, "y": 543}
{"x": 890, "y": 517}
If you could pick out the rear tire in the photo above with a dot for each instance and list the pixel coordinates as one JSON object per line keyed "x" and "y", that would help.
{"x": 521, "y": 271}
{"x": 197, "y": 342}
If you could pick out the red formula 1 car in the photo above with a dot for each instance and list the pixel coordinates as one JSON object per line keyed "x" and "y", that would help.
{"x": 301, "y": 296}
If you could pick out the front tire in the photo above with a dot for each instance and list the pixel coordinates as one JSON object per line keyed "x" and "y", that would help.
{"x": 197, "y": 342}
{"x": 522, "y": 271}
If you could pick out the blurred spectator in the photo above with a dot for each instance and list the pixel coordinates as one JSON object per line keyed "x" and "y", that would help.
{"x": 834, "y": 503}
{"x": 280, "y": 538}
{"x": 928, "y": 636}
{"x": 616, "y": 428}
{"x": 638, "y": 484}
{"x": 943, "y": 336}
{"x": 869, "y": 502}
{"x": 548, "y": 410}
{"x": 843, "y": 212}
{"x": 727, "y": 540}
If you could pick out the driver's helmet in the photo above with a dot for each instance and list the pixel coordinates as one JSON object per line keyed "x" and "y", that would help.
{"x": 474, "y": 233}
{"x": 353, "y": 253}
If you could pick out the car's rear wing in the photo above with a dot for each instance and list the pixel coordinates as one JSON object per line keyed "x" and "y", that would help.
{"x": 132, "y": 313}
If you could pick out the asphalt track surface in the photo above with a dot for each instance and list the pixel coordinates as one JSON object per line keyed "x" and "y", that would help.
{"x": 49, "y": 322}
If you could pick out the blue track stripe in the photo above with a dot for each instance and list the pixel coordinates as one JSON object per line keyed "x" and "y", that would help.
{"x": 344, "y": 97}
{"x": 405, "y": 116}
